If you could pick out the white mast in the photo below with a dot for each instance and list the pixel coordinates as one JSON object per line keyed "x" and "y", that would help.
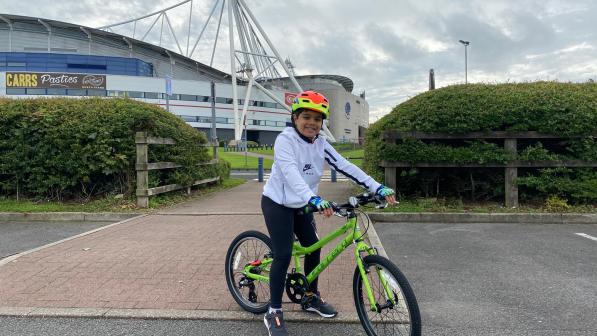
{"x": 253, "y": 54}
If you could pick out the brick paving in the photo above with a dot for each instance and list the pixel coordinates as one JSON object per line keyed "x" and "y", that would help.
{"x": 173, "y": 260}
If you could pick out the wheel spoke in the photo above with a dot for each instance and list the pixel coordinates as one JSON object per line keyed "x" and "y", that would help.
{"x": 252, "y": 295}
{"x": 393, "y": 306}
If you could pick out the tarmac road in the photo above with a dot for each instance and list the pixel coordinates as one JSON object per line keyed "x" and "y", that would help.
{"x": 16, "y": 237}
{"x": 14, "y": 326}
{"x": 499, "y": 279}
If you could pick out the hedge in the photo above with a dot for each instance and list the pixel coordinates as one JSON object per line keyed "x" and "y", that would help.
{"x": 565, "y": 109}
{"x": 64, "y": 148}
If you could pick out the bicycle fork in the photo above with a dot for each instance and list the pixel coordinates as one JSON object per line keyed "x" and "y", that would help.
{"x": 362, "y": 247}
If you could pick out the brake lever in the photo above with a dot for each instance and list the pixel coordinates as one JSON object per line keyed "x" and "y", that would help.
{"x": 381, "y": 202}
{"x": 383, "y": 205}
{"x": 340, "y": 213}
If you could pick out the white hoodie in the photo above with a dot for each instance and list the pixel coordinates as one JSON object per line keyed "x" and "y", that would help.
{"x": 298, "y": 166}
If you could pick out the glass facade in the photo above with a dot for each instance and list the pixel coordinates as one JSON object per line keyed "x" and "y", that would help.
{"x": 47, "y": 62}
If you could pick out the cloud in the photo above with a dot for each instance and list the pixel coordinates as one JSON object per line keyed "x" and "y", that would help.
{"x": 385, "y": 46}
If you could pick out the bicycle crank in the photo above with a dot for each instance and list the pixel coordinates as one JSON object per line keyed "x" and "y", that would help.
{"x": 296, "y": 286}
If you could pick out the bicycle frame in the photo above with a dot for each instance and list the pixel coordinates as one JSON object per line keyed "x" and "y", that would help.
{"x": 353, "y": 236}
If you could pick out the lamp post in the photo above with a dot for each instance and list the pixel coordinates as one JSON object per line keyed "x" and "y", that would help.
{"x": 465, "y": 43}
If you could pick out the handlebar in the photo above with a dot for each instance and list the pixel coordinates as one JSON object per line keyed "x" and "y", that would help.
{"x": 353, "y": 203}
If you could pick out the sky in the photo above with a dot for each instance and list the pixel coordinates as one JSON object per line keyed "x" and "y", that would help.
{"x": 385, "y": 46}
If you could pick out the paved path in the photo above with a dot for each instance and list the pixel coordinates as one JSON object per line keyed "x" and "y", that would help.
{"x": 173, "y": 260}
{"x": 253, "y": 154}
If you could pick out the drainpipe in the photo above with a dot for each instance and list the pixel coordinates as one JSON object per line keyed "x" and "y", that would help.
{"x": 130, "y": 46}
{"x": 49, "y": 33}
{"x": 9, "y": 32}
{"x": 88, "y": 36}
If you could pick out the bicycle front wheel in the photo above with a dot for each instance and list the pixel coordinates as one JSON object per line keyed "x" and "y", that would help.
{"x": 249, "y": 247}
{"x": 395, "y": 311}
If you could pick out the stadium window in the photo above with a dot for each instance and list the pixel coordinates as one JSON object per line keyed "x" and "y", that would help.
{"x": 270, "y": 105}
{"x": 175, "y": 96}
{"x": 116, "y": 93}
{"x": 153, "y": 95}
{"x": 189, "y": 118}
{"x": 223, "y": 100}
{"x": 56, "y": 92}
{"x": 221, "y": 120}
{"x": 135, "y": 94}
{"x": 188, "y": 97}
{"x": 270, "y": 123}
{"x": 76, "y": 92}
{"x": 206, "y": 120}
{"x": 11, "y": 91}
{"x": 280, "y": 123}
{"x": 85, "y": 66}
{"x": 36, "y": 91}
{"x": 204, "y": 99}
{"x": 96, "y": 92}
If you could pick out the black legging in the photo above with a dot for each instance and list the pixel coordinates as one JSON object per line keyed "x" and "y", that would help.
{"x": 283, "y": 223}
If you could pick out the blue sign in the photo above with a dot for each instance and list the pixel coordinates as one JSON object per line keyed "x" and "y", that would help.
{"x": 347, "y": 110}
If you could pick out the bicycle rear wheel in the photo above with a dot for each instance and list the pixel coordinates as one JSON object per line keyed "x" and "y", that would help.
{"x": 396, "y": 309}
{"x": 248, "y": 247}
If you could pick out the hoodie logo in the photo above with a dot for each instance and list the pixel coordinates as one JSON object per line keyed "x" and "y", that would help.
{"x": 308, "y": 166}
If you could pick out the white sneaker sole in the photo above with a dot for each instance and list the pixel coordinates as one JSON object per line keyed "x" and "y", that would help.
{"x": 313, "y": 310}
{"x": 267, "y": 325}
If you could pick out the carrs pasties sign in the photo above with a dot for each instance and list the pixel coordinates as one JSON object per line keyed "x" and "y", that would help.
{"x": 54, "y": 80}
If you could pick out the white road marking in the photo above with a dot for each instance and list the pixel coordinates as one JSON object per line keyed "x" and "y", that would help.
{"x": 586, "y": 236}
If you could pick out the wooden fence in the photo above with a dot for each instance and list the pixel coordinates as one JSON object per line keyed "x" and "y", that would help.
{"x": 142, "y": 140}
{"x": 510, "y": 168}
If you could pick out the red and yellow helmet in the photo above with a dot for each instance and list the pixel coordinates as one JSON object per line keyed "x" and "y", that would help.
{"x": 313, "y": 101}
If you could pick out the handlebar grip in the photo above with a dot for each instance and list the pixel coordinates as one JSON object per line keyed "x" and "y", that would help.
{"x": 312, "y": 208}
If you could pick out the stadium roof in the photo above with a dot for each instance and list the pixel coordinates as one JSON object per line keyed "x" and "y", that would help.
{"x": 24, "y": 21}
{"x": 346, "y": 82}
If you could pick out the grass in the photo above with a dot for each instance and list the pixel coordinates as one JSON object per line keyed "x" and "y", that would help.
{"x": 269, "y": 151}
{"x": 349, "y": 154}
{"x": 457, "y": 205}
{"x": 432, "y": 204}
{"x": 112, "y": 204}
{"x": 237, "y": 160}
{"x": 354, "y": 153}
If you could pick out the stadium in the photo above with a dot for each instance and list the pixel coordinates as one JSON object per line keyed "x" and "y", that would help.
{"x": 48, "y": 58}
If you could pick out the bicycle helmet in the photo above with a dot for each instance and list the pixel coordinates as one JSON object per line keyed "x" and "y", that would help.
{"x": 313, "y": 101}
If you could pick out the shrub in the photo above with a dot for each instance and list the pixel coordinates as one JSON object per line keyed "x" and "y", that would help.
{"x": 565, "y": 109}
{"x": 68, "y": 148}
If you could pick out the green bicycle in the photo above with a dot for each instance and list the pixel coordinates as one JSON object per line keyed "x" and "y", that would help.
{"x": 385, "y": 302}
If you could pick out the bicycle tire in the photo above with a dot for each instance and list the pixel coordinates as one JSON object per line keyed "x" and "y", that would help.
{"x": 248, "y": 247}
{"x": 402, "y": 318}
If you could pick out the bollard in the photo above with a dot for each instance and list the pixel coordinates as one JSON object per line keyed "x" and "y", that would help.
{"x": 260, "y": 168}
{"x": 333, "y": 175}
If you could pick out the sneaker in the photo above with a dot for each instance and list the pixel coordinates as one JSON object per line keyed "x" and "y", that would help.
{"x": 315, "y": 304}
{"x": 275, "y": 324}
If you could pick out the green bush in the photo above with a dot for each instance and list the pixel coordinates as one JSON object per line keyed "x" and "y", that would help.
{"x": 70, "y": 148}
{"x": 565, "y": 109}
